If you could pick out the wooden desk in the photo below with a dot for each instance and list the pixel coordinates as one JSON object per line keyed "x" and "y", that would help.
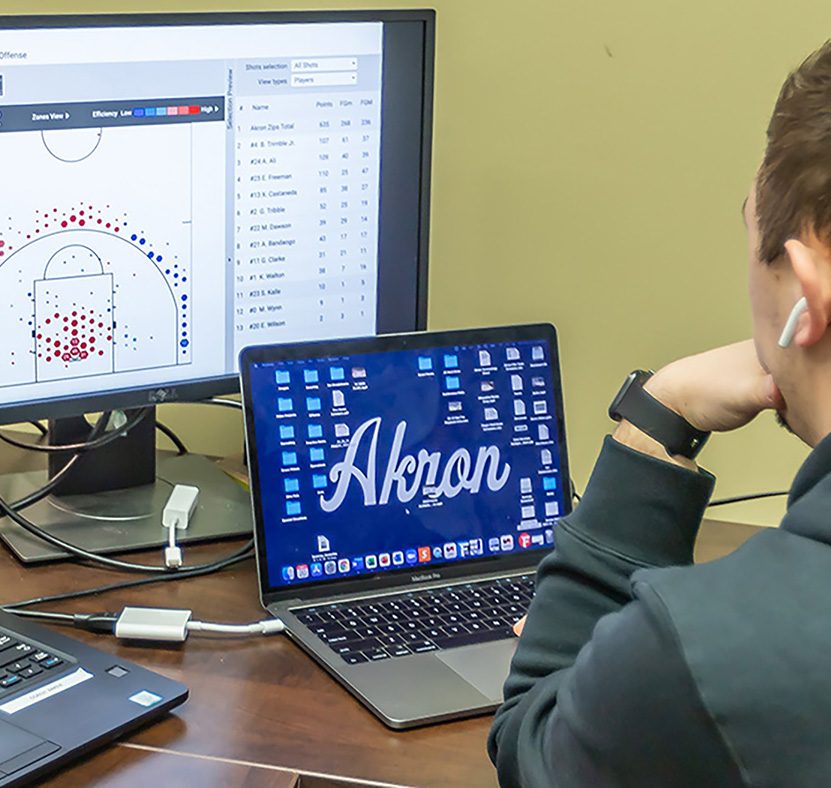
{"x": 261, "y": 713}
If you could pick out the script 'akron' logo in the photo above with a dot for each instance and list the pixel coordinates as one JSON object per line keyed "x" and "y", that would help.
{"x": 408, "y": 473}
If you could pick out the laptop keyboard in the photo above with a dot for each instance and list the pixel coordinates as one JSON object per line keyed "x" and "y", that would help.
{"x": 23, "y": 662}
{"x": 420, "y": 621}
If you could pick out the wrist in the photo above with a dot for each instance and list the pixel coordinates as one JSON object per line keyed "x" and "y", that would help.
{"x": 664, "y": 425}
{"x": 630, "y": 436}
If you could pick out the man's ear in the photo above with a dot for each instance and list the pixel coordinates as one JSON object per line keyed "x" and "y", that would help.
{"x": 811, "y": 262}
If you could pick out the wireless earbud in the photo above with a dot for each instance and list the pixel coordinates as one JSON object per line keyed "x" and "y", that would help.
{"x": 790, "y": 326}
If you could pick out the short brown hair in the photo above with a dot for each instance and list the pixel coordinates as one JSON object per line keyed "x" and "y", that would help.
{"x": 793, "y": 189}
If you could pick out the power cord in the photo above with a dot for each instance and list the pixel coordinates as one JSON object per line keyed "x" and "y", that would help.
{"x": 751, "y": 497}
{"x": 89, "y": 445}
{"x": 41, "y": 429}
{"x": 227, "y": 403}
{"x": 172, "y": 564}
{"x": 174, "y": 438}
{"x": 38, "y": 495}
{"x": 18, "y": 608}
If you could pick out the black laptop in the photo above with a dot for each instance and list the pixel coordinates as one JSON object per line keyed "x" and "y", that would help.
{"x": 405, "y": 487}
{"x": 60, "y": 699}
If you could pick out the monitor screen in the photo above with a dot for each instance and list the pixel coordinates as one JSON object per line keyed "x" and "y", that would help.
{"x": 378, "y": 461}
{"x": 175, "y": 188}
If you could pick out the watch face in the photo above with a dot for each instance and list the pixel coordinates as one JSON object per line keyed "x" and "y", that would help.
{"x": 631, "y": 378}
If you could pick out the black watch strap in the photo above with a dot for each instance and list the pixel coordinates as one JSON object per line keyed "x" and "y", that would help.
{"x": 654, "y": 418}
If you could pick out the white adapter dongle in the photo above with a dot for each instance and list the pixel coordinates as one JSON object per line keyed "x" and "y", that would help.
{"x": 180, "y": 506}
{"x": 150, "y": 623}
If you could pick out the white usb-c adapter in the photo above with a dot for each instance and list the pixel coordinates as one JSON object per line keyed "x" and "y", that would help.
{"x": 176, "y": 515}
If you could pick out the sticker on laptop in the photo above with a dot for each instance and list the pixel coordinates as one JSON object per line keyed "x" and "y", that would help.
{"x": 46, "y": 691}
{"x": 145, "y": 698}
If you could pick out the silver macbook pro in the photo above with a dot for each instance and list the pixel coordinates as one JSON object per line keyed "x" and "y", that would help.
{"x": 404, "y": 489}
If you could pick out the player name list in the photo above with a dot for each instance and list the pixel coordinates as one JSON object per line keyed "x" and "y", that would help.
{"x": 306, "y": 224}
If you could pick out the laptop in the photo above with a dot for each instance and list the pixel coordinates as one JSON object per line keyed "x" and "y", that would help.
{"x": 404, "y": 489}
{"x": 60, "y": 699}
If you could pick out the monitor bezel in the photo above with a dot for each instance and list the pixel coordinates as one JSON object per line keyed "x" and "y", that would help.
{"x": 206, "y": 387}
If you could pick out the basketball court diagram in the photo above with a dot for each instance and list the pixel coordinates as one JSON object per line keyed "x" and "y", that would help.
{"x": 95, "y": 261}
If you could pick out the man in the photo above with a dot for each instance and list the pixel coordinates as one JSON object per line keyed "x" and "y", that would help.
{"x": 636, "y": 668}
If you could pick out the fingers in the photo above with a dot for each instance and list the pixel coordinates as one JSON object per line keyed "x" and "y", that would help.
{"x": 519, "y": 626}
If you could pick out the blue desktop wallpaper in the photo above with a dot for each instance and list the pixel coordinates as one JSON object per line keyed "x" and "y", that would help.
{"x": 404, "y": 459}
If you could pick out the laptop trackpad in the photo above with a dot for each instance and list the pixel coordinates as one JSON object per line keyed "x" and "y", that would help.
{"x": 485, "y": 667}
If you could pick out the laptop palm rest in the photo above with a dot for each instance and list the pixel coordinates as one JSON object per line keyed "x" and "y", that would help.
{"x": 485, "y": 667}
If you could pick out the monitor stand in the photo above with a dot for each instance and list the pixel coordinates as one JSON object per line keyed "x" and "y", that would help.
{"x": 86, "y": 511}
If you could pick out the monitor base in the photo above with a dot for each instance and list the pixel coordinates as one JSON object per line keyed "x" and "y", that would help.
{"x": 124, "y": 520}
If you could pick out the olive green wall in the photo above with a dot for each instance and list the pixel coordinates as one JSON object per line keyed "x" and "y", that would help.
{"x": 590, "y": 163}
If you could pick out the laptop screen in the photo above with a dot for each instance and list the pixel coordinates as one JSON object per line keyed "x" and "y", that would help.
{"x": 405, "y": 459}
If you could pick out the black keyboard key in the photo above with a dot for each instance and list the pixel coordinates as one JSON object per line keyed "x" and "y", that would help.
{"x": 351, "y": 646}
{"x": 376, "y": 655}
{"x": 9, "y": 681}
{"x": 338, "y": 637}
{"x": 18, "y": 667}
{"x": 30, "y": 672}
{"x": 421, "y": 646}
{"x": 391, "y": 629}
{"x": 15, "y": 653}
{"x": 398, "y": 651}
{"x": 482, "y": 636}
{"x": 354, "y": 659}
{"x": 51, "y": 662}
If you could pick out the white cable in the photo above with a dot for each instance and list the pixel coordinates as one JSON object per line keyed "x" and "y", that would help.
{"x": 176, "y": 515}
{"x": 154, "y": 623}
{"x": 268, "y": 626}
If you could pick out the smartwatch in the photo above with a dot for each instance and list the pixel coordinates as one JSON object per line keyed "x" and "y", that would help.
{"x": 654, "y": 418}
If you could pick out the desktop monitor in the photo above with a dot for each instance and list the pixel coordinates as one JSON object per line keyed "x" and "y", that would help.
{"x": 178, "y": 187}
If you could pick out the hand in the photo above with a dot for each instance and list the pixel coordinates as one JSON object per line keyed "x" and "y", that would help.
{"x": 519, "y": 626}
{"x": 720, "y": 390}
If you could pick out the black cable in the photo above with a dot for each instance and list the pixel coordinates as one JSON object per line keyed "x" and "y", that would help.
{"x": 243, "y": 554}
{"x": 74, "y": 550}
{"x": 177, "y": 441}
{"x": 41, "y": 493}
{"x": 11, "y": 510}
{"x": 751, "y": 497}
{"x": 96, "y": 443}
{"x": 227, "y": 403}
{"x": 41, "y": 428}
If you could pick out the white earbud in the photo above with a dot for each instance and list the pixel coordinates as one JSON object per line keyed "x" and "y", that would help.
{"x": 790, "y": 326}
